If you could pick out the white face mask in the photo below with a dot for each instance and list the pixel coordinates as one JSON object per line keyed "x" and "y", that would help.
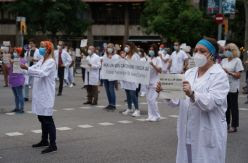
{"x": 126, "y": 49}
{"x": 59, "y": 47}
{"x": 200, "y": 59}
{"x": 110, "y": 50}
{"x": 89, "y": 52}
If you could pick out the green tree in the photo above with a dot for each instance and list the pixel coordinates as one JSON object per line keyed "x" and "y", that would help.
{"x": 52, "y": 16}
{"x": 176, "y": 20}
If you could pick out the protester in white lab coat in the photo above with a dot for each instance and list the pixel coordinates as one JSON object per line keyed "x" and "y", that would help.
{"x": 110, "y": 84}
{"x": 32, "y": 56}
{"x": 69, "y": 71}
{"x": 165, "y": 59}
{"x": 151, "y": 95}
{"x": 179, "y": 60}
{"x": 44, "y": 73}
{"x": 233, "y": 67}
{"x": 131, "y": 87}
{"x": 63, "y": 59}
{"x": 92, "y": 76}
{"x": 201, "y": 127}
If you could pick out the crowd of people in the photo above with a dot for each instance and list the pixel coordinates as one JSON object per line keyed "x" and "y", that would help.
{"x": 211, "y": 85}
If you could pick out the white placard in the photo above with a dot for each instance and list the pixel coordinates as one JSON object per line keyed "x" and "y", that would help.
{"x": 172, "y": 86}
{"x": 85, "y": 63}
{"x": 16, "y": 66}
{"x": 78, "y": 52}
{"x": 6, "y": 43}
{"x": 83, "y": 43}
{"x": 191, "y": 63}
{"x": 126, "y": 70}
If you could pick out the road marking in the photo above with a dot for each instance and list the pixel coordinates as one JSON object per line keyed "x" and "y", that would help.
{"x": 63, "y": 128}
{"x": 10, "y": 113}
{"x": 85, "y": 126}
{"x": 29, "y": 112}
{"x": 173, "y": 116}
{"x": 106, "y": 124}
{"x": 14, "y": 134}
{"x": 143, "y": 103}
{"x": 100, "y": 106}
{"x": 243, "y": 109}
{"x": 85, "y": 107}
{"x": 68, "y": 109}
{"x": 141, "y": 119}
{"x": 117, "y": 105}
{"x": 36, "y": 131}
{"x": 163, "y": 118}
{"x": 243, "y": 96}
{"x": 55, "y": 110}
{"x": 125, "y": 122}
{"x": 1, "y": 157}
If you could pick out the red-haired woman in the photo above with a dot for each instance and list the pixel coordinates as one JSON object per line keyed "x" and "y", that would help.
{"x": 44, "y": 73}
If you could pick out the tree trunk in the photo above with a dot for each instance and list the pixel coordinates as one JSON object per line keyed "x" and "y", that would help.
{"x": 246, "y": 24}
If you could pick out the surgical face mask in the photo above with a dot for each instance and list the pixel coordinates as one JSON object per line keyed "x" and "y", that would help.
{"x": 160, "y": 49}
{"x": 151, "y": 53}
{"x": 176, "y": 47}
{"x": 228, "y": 54}
{"x": 42, "y": 51}
{"x": 110, "y": 50}
{"x": 126, "y": 49}
{"x": 59, "y": 47}
{"x": 15, "y": 55}
{"x": 89, "y": 52}
{"x": 200, "y": 59}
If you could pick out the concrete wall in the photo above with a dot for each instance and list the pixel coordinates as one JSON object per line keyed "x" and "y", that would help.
{"x": 7, "y": 29}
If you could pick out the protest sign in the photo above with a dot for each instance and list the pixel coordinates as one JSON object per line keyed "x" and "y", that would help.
{"x": 16, "y": 66}
{"x": 83, "y": 43}
{"x": 126, "y": 70}
{"x": 85, "y": 64}
{"x": 172, "y": 86}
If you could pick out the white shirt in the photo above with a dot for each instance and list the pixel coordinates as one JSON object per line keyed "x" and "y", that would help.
{"x": 92, "y": 73}
{"x": 177, "y": 64}
{"x": 154, "y": 75}
{"x": 235, "y": 65}
{"x": 130, "y": 85}
{"x": 43, "y": 93}
{"x": 66, "y": 58}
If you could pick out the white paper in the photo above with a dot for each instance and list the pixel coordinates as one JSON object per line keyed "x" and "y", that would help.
{"x": 6, "y": 43}
{"x": 78, "y": 52}
{"x": 172, "y": 86}
{"x": 126, "y": 70}
{"x": 85, "y": 64}
{"x": 83, "y": 43}
{"x": 16, "y": 66}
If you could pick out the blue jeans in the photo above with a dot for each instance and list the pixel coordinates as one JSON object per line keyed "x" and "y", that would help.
{"x": 19, "y": 100}
{"x": 110, "y": 91}
{"x": 132, "y": 98}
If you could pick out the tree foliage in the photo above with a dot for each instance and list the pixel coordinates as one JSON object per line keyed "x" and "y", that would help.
{"x": 53, "y": 16}
{"x": 176, "y": 20}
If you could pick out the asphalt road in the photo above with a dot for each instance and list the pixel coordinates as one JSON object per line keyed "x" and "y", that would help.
{"x": 88, "y": 134}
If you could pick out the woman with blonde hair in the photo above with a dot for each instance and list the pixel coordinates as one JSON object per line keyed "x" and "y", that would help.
{"x": 44, "y": 73}
{"x": 233, "y": 67}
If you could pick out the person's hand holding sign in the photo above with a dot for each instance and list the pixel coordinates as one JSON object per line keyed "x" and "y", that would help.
{"x": 24, "y": 67}
{"x": 188, "y": 91}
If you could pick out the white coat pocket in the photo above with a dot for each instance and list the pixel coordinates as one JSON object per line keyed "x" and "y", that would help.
{"x": 208, "y": 137}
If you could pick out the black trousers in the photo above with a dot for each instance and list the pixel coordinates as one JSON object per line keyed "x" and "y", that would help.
{"x": 61, "y": 72}
{"x": 92, "y": 93}
{"x": 232, "y": 113}
{"x": 48, "y": 128}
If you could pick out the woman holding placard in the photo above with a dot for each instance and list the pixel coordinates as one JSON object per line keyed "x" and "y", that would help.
{"x": 130, "y": 87}
{"x": 202, "y": 127}
{"x": 17, "y": 79}
{"x": 151, "y": 97}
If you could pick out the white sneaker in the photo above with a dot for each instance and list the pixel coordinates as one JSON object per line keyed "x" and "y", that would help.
{"x": 136, "y": 113}
{"x": 126, "y": 112}
{"x": 154, "y": 119}
{"x": 147, "y": 119}
{"x": 71, "y": 85}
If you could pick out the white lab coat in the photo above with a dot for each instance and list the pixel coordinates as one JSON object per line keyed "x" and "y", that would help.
{"x": 203, "y": 123}
{"x": 36, "y": 56}
{"x": 43, "y": 87}
{"x": 92, "y": 73}
{"x": 66, "y": 58}
{"x": 177, "y": 62}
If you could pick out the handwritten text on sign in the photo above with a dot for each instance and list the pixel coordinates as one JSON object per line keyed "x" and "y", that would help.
{"x": 126, "y": 70}
{"x": 172, "y": 86}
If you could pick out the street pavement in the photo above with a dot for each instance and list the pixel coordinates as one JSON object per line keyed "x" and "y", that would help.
{"x": 89, "y": 134}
